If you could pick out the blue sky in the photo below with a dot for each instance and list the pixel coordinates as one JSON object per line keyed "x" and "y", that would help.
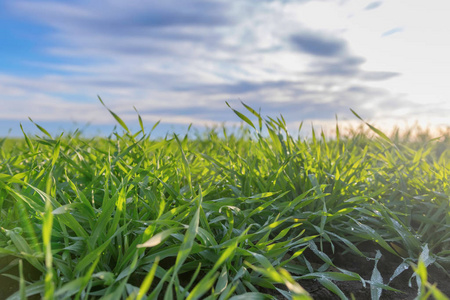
{"x": 179, "y": 61}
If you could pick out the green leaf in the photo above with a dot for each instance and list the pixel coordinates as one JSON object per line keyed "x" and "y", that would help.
{"x": 186, "y": 246}
{"x": 90, "y": 257}
{"x": 222, "y": 282}
{"x": 140, "y": 121}
{"x": 242, "y": 117}
{"x": 22, "y": 286}
{"x": 251, "y": 296}
{"x": 147, "y": 282}
{"x": 377, "y": 131}
{"x": 375, "y": 292}
{"x": 116, "y": 117}
{"x": 27, "y": 140}
{"x": 332, "y": 287}
{"x": 200, "y": 289}
{"x": 255, "y": 113}
{"x": 42, "y": 129}
{"x": 46, "y": 238}
{"x": 32, "y": 289}
{"x": 158, "y": 238}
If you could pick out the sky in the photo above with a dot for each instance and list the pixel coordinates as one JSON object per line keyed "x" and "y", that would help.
{"x": 178, "y": 61}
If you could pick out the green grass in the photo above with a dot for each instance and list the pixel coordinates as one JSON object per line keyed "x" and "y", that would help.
{"x": 218, "y": 215}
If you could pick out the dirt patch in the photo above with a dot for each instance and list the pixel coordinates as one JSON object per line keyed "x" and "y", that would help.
{"x": 9, "y": 265}
{"x": 387, "y": 264}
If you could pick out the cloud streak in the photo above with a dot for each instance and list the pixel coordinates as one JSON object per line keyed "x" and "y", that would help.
{"x": 318, "y": 44}
{"x": 392, "y": 31}
{"x": 373, "y": 5}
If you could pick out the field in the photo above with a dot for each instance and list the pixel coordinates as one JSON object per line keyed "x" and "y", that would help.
{"x": 252, "y": 213}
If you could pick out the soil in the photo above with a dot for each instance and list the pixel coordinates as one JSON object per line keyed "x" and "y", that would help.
{"x": 345, "y": 260}
{"x": 364, "y": 267}
{"x": 10, "y": 266}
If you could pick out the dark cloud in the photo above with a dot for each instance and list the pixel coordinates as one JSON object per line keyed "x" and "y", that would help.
{"x": 319, "y": 105}
{"x": 373, "y": 5}
{"x": 349, "y": 68}
{"x": 334, "y": 58}
{"x": 128, "y": 16}
{"x": 213, "y": 112}
{"x": 164, "y": 20}
{"x": 129, "y": 27}
{"x": 171, "y": 13}
{"x": 300, "y": 101}
{"x": 301, "y": 108}
{"x": 377, "y": 76}
{"x": 318, "y": 44}
{"x": 346, "y": 67}
{"x": 242, "y": 87}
